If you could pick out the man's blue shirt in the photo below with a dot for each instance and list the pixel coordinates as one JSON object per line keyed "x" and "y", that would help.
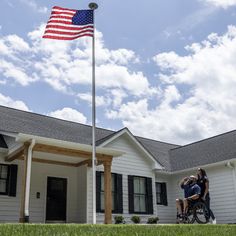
{"x": 190, "y": 190}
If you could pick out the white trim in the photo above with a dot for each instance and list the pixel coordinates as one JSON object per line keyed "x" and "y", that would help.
{"x": 72, "y": 145}
{"x": 28, "y": 178}
{"x": 11, "y": 134}
{"x": 156, "y": 165}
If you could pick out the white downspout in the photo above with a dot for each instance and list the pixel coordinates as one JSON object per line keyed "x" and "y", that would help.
{"x": 28, "y": 177}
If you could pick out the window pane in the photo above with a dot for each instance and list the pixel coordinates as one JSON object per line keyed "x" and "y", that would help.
{"x": 113, "y": 183}
{"x": 136, "y": 203}
{"x": 112, "y": 189}
{"x": 142, "y": 186}
{"x": 102, "y": 182}
{"x": 142, "y": 204}
{"x": 3, "y": 186}
{"x": 3, "y": 172}
{"x": 158, "y": 187}
{"x": 102, "y": 201}
{"x": 113, "y": 201}
{"x": 158, "y": 198}
{"x": 136, "y": 185}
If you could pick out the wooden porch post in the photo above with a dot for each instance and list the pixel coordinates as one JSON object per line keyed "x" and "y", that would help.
{"x": 107, "y": 192}
{"x": 22, "y": 203}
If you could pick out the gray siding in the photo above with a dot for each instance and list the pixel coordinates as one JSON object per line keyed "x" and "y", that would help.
{"x": 167, "y": 213}
{"x": 222, "y": 192}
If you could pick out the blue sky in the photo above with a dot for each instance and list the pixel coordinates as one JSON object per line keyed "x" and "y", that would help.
{"x": 165, "y": 69}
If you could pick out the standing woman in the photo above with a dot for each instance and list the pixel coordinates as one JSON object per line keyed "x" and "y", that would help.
{"x": 203, "y": 183}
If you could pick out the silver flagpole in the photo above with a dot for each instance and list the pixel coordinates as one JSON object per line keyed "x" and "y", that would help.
{"x": 93, "y": 6}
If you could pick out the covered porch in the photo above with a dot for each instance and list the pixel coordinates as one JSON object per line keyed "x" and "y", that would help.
{"x": 55, "y": 180}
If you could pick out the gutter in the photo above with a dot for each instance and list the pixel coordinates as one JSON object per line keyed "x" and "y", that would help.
{"x": 224, "y": 163}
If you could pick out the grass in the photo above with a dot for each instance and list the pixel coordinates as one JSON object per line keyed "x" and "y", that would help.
{"x": 115, "y": 230}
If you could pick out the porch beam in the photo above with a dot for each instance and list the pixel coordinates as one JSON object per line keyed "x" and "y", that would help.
{"x": 60, "y": 163}
{"x": 68, "y": 152}
{"x": 15, "y": 154}
{"x": 107, "y": 192}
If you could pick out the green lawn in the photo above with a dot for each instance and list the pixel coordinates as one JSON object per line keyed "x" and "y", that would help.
{"x": 115, "y": 230}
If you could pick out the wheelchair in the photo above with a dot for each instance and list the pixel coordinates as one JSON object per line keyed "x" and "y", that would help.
{"x": 197, "y": 212}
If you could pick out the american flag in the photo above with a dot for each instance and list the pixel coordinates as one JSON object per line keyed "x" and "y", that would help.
{"x": 69, "y": 24}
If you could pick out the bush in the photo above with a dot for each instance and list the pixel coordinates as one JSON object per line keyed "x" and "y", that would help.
{"x": 135, "y": 219}
{"x": 119, "y": 220}
{"x": 152, "y": 220}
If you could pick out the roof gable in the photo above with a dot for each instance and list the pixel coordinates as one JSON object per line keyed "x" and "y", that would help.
{"x": 139, "y": 145}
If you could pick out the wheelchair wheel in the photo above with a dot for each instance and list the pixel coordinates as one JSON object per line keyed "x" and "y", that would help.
{"x": 191, "y": 216}
{"x": 201, "y": 213}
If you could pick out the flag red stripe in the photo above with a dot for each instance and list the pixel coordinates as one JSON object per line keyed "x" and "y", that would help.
{"x": 62, "y": 8}
{"x": 68, "y": 27}
{"x": 60, "y": 21}
{"x": 65, "y": 38}
{"x": 67, "y": 33}
{"x": 61, "y": 17}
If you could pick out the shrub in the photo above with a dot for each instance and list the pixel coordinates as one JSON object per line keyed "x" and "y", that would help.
{"x": 152, "y": 220}
{"x": 119, "y": 220}
{"x": 135, "y": 219}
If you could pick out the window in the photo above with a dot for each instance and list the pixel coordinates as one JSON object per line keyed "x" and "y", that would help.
{"x": 4, "y": 179}
{"x": 140, "y": 195}
{"x": 161, "y": 194}
{"x": 117, "y": 193}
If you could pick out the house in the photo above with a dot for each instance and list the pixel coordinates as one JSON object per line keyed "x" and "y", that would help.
{"x": 45, "y": 172}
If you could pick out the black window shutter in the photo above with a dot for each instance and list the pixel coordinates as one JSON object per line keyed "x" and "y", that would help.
{"x": 149, "y": 196}
{"x": 98, "y": 191}
{"x": 12, "y": 180}
{"x": 164, "y": 194}
{"x": 119, "y": 192}
{"x": 131, "y": 193}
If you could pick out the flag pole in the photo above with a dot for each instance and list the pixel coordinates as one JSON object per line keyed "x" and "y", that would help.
{"x": 93, "y": 6}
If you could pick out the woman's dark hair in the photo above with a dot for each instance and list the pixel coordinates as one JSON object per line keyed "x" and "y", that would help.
{"x": 203, "y": 173}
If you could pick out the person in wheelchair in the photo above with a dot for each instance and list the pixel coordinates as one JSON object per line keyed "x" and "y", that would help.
{"x": 192, "y": 194}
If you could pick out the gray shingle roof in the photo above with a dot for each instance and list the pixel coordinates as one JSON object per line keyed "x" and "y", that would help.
{"x": 172, "y": 157}
{"x": 215, "y": 149}
{"x": 159, "y": 150}
{"x": 16, "y": 121}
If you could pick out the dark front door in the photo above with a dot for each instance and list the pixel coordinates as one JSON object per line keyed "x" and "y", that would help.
{"x": 56, "y": 199}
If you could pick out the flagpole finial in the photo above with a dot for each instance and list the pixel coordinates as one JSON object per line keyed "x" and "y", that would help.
{"x": 93, "y": 6}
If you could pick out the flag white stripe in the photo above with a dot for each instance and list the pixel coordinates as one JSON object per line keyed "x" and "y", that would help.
{"x": 60, "y": 19}
{"x": 66, "y": 11}
{"x": 68, "y": 30}
{"x": 66, "y": 25}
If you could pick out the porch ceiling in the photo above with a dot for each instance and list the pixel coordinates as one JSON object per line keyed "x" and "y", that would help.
{"x": 56, "y": 157}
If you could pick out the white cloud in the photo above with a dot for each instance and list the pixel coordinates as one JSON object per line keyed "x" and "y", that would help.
{"x": 100, "y": 100}
{"x": 198, "y": 97}
{"x": 221, "y": 3}
{"x": 69, "y": 114}
{"x": 9, "y": 102}
{"x": 64, "y": 65}
{"x": 34, "y": 6}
